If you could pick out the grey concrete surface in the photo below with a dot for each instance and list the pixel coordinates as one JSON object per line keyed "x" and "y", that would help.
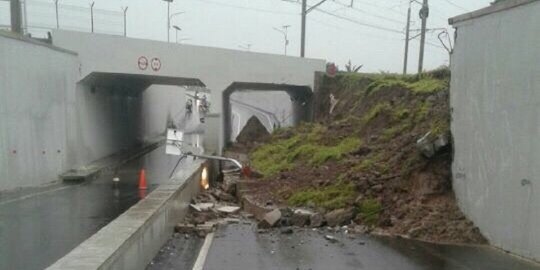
{"x": 180, "y": 252}
{"x": 38, "y": 228}
{"x": 32, "y": 111}
{"x": 240, "y": 247}
{"x": 218, "y": 69}
{"x": 48, "y": 124}
{"x": 495, "y": 96}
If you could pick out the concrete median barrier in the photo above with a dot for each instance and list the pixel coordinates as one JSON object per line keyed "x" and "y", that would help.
{"x": 134, "y": 238}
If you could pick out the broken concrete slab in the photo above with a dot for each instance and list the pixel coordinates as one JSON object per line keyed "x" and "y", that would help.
{"x": 184, "y": 228}
{"x": 425, "y": 145}
{"x": 316, "y": 220}
{"x": 228, "y": 209}
{"x": 300, "y": 217}
{"x": 200, "y": 207}
{"x": 270, "y": 219}
{"x": 330, "y": 238}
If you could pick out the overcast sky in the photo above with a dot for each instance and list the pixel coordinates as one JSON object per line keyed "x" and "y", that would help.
{"x": 371, "y": 34}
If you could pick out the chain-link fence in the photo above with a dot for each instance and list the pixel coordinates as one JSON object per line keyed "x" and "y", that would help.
{"x": 39, "y": 17}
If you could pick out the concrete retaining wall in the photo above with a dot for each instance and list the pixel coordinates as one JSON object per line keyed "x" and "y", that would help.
{"x": 132, "y": 240}
{"x": 51, "y": 123}
{"x": 495, "y": 98}
{"x": 34, "y": 80}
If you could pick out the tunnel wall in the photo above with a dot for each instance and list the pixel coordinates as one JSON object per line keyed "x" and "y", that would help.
{"x": 101, "y": 121}
{"x": 495, "y": 98}
{"x": 171, "y": 100}
{"x": 34, "y": 80}
{"x": 49, "y": 123}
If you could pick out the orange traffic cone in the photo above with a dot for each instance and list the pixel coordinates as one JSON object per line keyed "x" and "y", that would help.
{"x": 142, "y": 180}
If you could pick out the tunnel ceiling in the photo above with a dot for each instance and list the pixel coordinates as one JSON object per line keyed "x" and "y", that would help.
{"x": 136, "y": 81}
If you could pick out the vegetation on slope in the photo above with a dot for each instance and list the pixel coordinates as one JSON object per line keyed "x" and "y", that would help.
{"x": 364, "y": 156}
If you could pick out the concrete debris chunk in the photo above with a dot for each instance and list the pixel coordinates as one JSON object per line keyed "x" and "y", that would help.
{"x": 441, "y": 142}
{"x": 286, "y": 230}
{"x": 195, "y": 207}
{"x": 184, "y": 228}
{"x": 425, "y": 146}
{"x": 300, "y": 217}
{"x": 339, "y": 217}
{"x": 201, "y": 207}
{"x": 330, "y": 238}
{"x": 316, "y": 220}
{"x": 270, "y": 219}
{"x": 204, "y": 229}
{"x": 228, "y": 209}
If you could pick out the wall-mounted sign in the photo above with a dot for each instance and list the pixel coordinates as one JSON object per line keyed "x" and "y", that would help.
{"x": 142, "y": 63}
{"x": 155, "y": 64}
{"x": 331, "y": 70}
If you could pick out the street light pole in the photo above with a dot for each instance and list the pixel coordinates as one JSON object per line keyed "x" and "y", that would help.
{"x": 285, "y": 35}
{"x": 168, "y": 19}
{"x": 125, "y": 20}
{"x": 177, "y": 29}
{"x": 92, "y": 16}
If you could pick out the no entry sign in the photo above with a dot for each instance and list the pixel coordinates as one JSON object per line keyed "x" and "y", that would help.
{"x": 143, "y": 63}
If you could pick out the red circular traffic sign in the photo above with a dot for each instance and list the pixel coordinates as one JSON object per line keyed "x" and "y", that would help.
{"x": 155, "y": 64}
{"x": 142, "y": 63}
{"x": 331, "y": 69}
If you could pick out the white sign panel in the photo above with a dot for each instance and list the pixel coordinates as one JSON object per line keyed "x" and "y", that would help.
{"x": 175, "y": 140}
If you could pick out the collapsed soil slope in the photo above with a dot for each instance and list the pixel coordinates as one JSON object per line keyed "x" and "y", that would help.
{"x": 362, "y": 155}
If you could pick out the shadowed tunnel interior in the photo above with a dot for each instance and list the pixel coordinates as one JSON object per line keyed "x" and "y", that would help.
{"x": 121, "y": 109}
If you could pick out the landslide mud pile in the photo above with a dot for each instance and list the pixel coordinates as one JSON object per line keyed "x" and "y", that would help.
{"x": 253, "y": 131}
{"x": 378, "y": 156}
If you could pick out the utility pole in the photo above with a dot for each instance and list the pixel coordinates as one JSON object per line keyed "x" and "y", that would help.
{"x": 125, "y": 20}
{"x": 92, "y": 16}
{"x": 56, "y": 8}
{"x": 424, "y": 14}
{"x": 303, "y": 37}
{"x": 16, "y": 22}
{"x": 407, "y": 33}
{"x": 305, "y": 12}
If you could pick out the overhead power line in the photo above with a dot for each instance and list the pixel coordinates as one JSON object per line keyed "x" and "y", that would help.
{"x": 382, "y": 28}
{"x": 456, "y": 5}
{"x": 367, "y": 13}
{"x": 248, "y": 8}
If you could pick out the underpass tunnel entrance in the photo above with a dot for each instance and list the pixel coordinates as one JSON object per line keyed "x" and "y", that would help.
{"x": 275, "y": 105}
{"x": 118, "y": 111}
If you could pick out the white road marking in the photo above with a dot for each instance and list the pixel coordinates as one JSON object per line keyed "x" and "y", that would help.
{"x": 201, "y": 259}
{"x": 36, "y": 194}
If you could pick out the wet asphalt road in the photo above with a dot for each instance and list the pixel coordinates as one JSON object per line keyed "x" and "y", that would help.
{"x": 240, "y": 247}
{"x": 180, "y": 252}
{"x": 39, "y": 228}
